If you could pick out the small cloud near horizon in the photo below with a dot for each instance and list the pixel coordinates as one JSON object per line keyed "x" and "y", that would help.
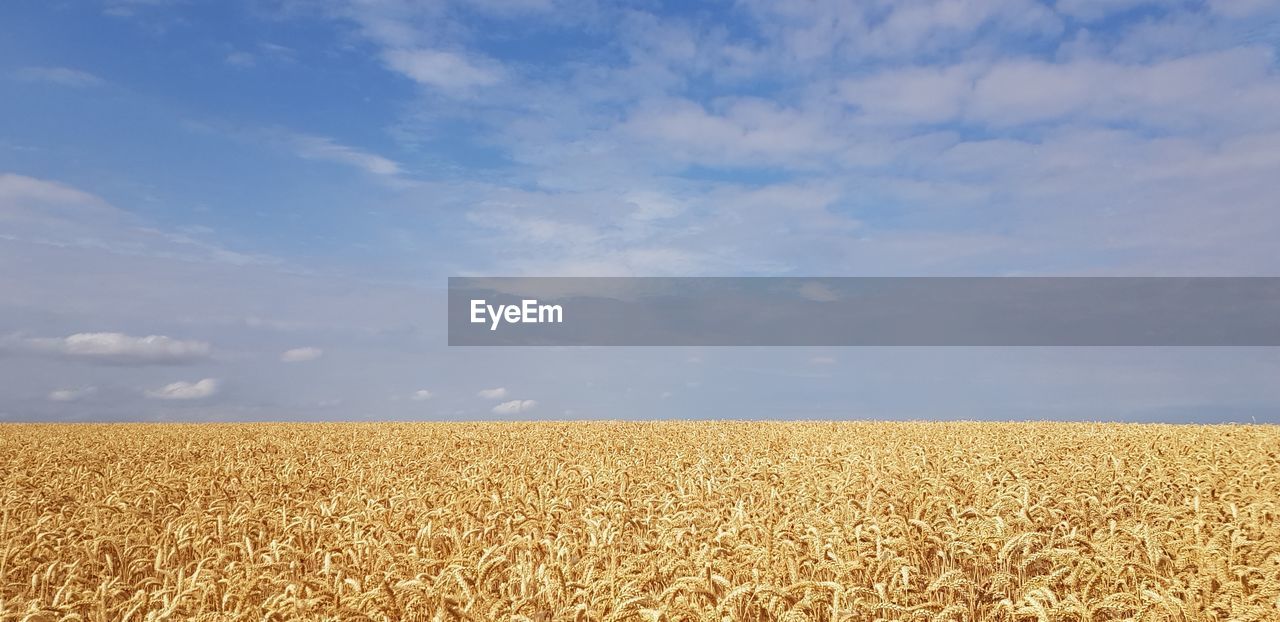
{"x": 71, "y": 395}
{"x": 493, "y": 394}
{"x": 301, "y": 355}
{"x": 514, "y": 407}
{"x": 183, "y": 390}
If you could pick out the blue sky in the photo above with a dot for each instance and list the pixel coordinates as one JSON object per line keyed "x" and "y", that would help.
{"x": 248, "y": 209}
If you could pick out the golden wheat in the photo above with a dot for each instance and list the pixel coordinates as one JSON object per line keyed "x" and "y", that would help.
{"x": 640, "y": 521}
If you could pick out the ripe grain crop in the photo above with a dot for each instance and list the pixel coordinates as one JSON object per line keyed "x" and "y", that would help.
{"x": 640, "y": 521}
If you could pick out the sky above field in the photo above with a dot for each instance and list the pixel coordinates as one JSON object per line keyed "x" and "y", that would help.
{"x": 248, "y": 209}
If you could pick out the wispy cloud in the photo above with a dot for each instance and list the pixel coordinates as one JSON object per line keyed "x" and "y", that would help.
{"x": 49, "y": 213}
{"x": 127, "y": 8}
{"x": 327, "y": 150}
{"x": 447, "y": 71}
{"x": 62, "y": 76}
{"x": 240, "y": 58}
{"x": 119, "y": 348}
{"x": 18, "y": 192}
{"x": 71, "y": 395}
{"x": 265, "y": 53}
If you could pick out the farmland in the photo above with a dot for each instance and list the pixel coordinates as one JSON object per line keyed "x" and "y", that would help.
{"x": 639, "y": 521}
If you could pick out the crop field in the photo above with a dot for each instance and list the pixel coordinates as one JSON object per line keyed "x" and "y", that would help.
{"x": 639, "y": 521}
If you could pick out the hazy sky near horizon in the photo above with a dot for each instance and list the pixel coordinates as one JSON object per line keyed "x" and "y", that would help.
{"x": 248, "y": 209}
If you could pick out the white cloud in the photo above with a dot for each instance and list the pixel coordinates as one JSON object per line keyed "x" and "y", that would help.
{"x": 325, "y": 149}
{"x": 421, "y": 395}
{"x": 1183, "y": 92}
{"x": 514, "y": 407}
{"x": 300, "y": 355}
{"x": 822, "y": 360}
{"x": 803, "y": 33}
{"x": 71, "y": 395}
{"x": 724, "y": 228}
{"x": 651, "y": 205}
{"x": 915, "y": 27}
{"x": 119, "y": 348}
{"x": 1216, "y": 89}
{"x": 62, "y": 76}
{"x": 912, "y": 94}
{"x": 185, "y": 390}
{"x": 447, "y": 71}
{"x": 493, "y": 394}
{"x": 741, "y": 131}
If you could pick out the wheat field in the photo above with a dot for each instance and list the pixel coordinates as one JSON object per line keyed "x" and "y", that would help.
{"x": 639, "y": 521}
